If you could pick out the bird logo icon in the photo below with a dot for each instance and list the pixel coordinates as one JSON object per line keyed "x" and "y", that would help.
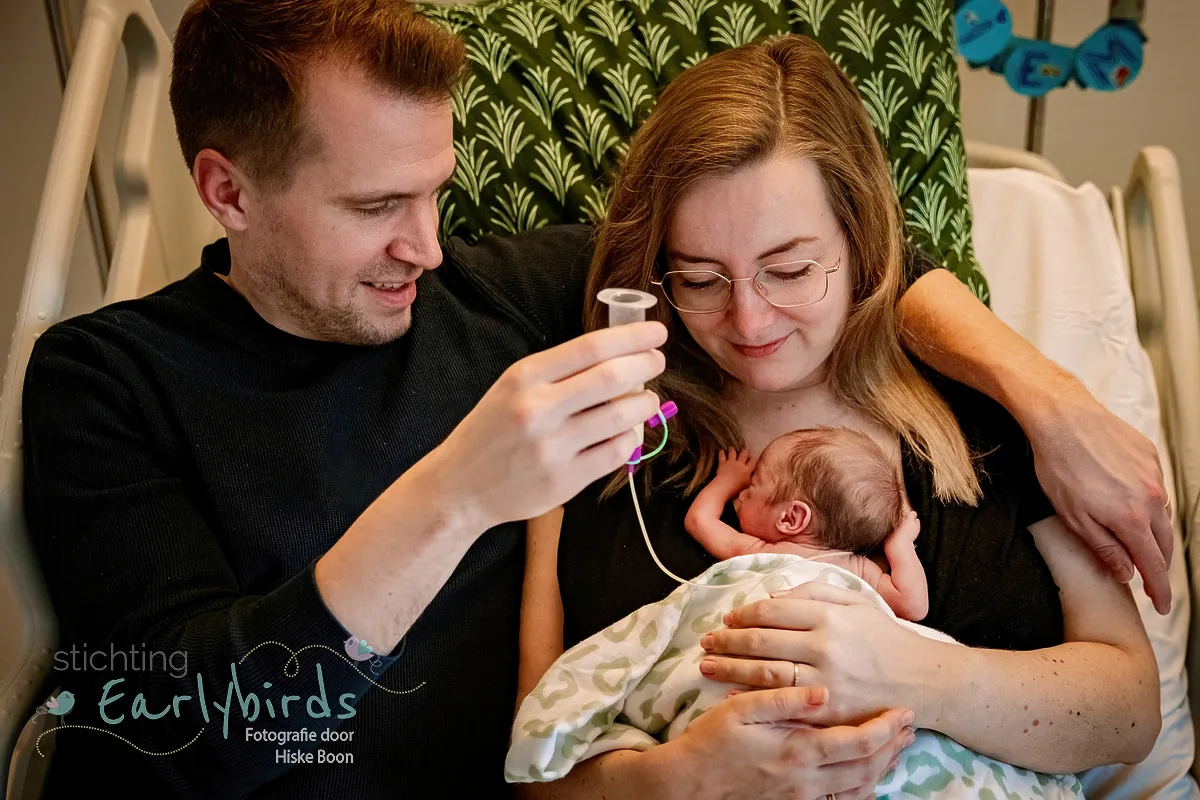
{"x": 60, "y": 705}
{"x": 358, "y": 649}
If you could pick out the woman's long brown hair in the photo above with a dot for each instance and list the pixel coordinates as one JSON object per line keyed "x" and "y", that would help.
{"x": 779, "y": 98}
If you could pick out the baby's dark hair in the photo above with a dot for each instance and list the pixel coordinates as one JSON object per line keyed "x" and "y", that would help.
{"x": 855, "y": 494}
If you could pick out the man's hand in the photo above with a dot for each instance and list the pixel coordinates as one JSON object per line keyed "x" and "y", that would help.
{"x": 553, "y": 423}
{"x": 1102, "y": 476}
{"x": 734, "y": 468}
{"x": 1105, "y": 481}
{"x": 550, "y": 425}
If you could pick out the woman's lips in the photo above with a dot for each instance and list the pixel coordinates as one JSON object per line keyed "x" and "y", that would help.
{"x": 761, "y": 351}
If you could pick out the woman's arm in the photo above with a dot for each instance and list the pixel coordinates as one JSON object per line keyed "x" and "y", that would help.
{"x": 541, "y": 637}
{"x": 753, "y": 746}
{"x": 620, "y": 773}
{"x": 1102, "y": 476}
{"x": 1091, "y": 701}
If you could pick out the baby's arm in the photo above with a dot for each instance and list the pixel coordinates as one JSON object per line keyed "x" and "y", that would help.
{"x": 906, "y": 589}
{"x": 703, "y": 520}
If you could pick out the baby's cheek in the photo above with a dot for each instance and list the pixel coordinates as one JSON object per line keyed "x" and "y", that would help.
{"x": 739, "y": 507}
{"x": 749, "y": 516}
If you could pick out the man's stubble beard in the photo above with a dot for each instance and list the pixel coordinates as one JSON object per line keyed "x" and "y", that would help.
{"x": 344, "y": 325}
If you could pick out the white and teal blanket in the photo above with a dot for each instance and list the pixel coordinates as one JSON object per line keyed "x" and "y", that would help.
{"x": 637, "y": 683}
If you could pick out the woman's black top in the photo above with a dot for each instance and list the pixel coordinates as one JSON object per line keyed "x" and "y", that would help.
{"x": 988, "y": 584}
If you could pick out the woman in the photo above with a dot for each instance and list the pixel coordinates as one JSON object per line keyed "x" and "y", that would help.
{"x": 758, "y": 201}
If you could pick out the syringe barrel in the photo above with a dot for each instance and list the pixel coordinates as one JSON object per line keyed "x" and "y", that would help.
{"x": 625, "y": 306}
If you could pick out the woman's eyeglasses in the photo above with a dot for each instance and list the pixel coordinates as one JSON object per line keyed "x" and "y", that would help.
{"x": 789, "y": 284}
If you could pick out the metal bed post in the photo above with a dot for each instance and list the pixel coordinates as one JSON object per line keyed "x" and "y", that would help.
{"x": 1035, "y": 128}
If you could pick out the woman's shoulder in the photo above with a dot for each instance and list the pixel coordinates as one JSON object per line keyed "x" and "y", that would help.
{"x": 1003, "y": 455}
{"x": 985, "y": 423}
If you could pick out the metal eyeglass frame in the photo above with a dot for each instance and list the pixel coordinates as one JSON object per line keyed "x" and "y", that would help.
{"x": 754, "y": 279}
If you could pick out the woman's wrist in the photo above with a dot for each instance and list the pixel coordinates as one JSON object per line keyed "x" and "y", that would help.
{"x": 664, "y": 775}
{"x": 655, "y": 774}
{"x": 935, "y": 695}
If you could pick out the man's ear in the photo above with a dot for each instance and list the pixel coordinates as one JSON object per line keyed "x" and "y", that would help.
{"x": 794, "y": 518}
{"x": 223, "y": 188}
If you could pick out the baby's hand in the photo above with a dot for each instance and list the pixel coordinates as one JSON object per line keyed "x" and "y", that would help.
{"x": 908, "y": 529}
{"x": 735, "y": 467}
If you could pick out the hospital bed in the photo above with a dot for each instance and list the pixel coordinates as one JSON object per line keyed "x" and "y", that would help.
{"x": 1101, "y": 283}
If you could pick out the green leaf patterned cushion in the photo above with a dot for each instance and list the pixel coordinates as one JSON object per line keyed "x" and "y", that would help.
{"x": 558, "y": 86}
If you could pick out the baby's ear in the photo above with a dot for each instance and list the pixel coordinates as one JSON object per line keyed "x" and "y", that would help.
{"x": 795, "y": 517}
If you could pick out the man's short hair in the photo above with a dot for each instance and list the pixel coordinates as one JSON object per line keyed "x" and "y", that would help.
{"x": 238, "y": 74}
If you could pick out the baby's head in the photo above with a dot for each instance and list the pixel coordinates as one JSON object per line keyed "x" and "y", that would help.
{"x": 830, "y": 487}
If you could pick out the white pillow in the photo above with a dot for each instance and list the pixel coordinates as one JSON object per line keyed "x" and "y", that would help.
{"x": 1057, "y": 276}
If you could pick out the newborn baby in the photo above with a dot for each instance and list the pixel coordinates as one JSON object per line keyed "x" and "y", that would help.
{"x": 827, "y": 494}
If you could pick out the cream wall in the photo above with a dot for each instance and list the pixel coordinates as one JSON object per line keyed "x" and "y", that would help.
{"x": 1094, "y": 136}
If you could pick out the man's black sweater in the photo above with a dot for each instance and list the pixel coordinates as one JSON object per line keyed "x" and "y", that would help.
{"x": 186, "y": 465}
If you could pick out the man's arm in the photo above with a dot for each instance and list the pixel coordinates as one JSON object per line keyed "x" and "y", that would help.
{"x": 130, "y": 556}
{"x": 131, "y": 561}
{"x": 550, "y": 425}
{"x": 1102, "y": 476}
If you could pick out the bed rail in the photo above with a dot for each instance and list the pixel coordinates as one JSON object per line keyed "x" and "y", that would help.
{"x": 156, "y": 211}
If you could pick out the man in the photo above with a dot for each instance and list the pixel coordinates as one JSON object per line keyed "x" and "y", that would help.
{"x": 305, "y": 465}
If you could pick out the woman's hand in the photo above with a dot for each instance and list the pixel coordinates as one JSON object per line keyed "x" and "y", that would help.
{"x": 838, "y": 639}
{"x": 762, "y": 745}
{"x": 1106, "y": 483}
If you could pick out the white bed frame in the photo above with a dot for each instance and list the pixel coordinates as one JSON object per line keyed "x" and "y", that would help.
{"x": 162, "y": 227}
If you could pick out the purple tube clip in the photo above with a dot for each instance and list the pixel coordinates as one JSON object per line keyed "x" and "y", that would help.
{"x": 631, "y": 464}
{"x": 668, "y": 409}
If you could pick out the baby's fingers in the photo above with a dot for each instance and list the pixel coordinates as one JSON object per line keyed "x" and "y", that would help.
{"x": 909, "y": 527}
